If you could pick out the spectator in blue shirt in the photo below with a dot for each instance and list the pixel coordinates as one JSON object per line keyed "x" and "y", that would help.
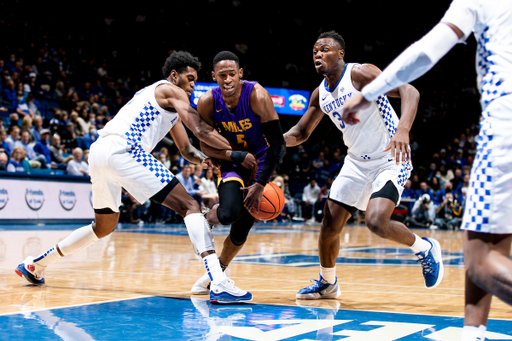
{"x": 16, "y": 162}
{"x": 9, "y": 96}
{"x": 4, "y": 146}
{"x": 187, "y": 181}
{"x": 36, "y": 129}
{"x": 89, "y": 138}
{"x": 43, "y": 146}
{"x": 463, "y": 184}
{"x": 335, "y": 162}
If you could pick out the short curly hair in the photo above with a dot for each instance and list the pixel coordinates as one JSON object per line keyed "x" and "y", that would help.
{"x": 225, "y": 55}
{"x": 178, "y": 61}
{"x": 334, "y": 35}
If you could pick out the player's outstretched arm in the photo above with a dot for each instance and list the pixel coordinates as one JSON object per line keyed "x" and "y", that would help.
{"x": 172, "y": 96}
{"x": 415, "y": 61}
{"x": 188, "y": 151}
{"x": 300, "y": 132}
{"x": 263, "y": 107}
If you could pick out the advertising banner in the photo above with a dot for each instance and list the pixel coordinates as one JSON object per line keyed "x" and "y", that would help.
{"x": 45, "y": 200}
{"x": 286, "y": 101}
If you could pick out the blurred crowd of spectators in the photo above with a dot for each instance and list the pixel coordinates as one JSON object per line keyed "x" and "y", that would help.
{"x": 63, "y": 80}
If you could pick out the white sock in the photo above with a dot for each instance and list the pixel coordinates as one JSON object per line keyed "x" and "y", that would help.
{"x": 329, "y": 274}
{"x": 472, "y": 333}
{"x": 77, "y": 240}
{"x": 44, "y": 259}
{"x": 420, "y": 245}
{"x": 212, "y": 265}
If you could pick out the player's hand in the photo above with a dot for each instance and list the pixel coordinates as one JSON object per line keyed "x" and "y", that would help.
{"x": 399, "y": 147}
{"x": 250, "y": 161}
{"x": 351, "y": 107}
{"x": 253, "y": 196}
{"x": 207, "y": 163}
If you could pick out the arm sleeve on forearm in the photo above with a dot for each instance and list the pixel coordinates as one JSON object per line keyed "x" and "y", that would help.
{"x": 415, "y": 61}
{"x": 275, "y": 152}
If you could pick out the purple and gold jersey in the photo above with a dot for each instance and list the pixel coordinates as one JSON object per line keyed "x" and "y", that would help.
{"x": 242, "y": 128}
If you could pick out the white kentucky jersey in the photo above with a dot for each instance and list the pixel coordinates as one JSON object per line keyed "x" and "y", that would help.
{"x": 491, "y": 22}
{"x": 142, "y": 122}
{"x": 367, "y": 139}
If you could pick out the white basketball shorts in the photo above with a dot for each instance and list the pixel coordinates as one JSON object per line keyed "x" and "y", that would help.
{"x": 113, "y": 165}
{"x": 358, "y": 179}
{"x": 489, "y": 197}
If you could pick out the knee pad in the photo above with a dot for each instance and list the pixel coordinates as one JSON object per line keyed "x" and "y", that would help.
{"x": 240, "y": 229}
{"x": 200, "y": 233}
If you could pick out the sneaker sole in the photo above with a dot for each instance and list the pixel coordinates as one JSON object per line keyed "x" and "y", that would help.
{"x": 317, "y": 296}
{"x": 22, "y": 275}
{"x": 229, "y": 301}
{"x": 441, "y": 266}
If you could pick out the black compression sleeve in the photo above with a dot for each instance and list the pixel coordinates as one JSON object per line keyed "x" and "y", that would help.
{"x": 275, "y": 152}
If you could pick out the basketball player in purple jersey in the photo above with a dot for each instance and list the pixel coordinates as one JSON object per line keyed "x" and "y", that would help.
{"x": 121, "y": 157}
{"x": 244, "y": 113}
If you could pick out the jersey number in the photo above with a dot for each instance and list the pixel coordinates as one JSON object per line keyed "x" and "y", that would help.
{"x": 240, "y": 139}
{"x": 338, "y": 117}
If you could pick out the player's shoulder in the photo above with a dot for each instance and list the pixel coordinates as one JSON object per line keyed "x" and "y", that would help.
{"x": 363, "y": 69}
{"x": 259, "y": 92}
{"x": 362, "y": 74}
{"x": 205, "y": 103}
{"x": 165, "y": 88}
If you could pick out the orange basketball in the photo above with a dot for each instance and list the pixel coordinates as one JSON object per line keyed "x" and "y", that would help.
{"x": 271, "y": 204}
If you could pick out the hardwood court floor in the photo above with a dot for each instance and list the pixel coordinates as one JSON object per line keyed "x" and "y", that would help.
{"x": 139, "y": 262}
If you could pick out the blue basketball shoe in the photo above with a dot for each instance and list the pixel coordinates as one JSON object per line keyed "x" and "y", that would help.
{"x": 27, "y": 270}
{"x": 432, "y": 263}
{"x": 319, "y": 289}
{"x": 225, "y": 293}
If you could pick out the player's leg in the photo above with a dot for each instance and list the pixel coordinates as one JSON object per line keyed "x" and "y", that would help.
{"x": 32, "y": 268}
{"x": 230, "y": 206}
{"x": 344, "y": 199}
{"x": 106, "y": 202}
{"x": 230, "y": 211}
{"x": 476, "y": 311}
{"x": 488, "y": 272}
{"x": 176, "y": 198}
{"x": 378, "y": 220}
{"x": 336, "y": 215}
{"x": 237, "y": 237}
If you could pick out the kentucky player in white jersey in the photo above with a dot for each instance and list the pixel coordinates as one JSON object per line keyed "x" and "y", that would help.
{"x": 488, "y": 231}
{"x": 372, "y": 178}
{"x": 121, "y": 158}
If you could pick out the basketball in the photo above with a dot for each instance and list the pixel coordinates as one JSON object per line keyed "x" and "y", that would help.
{"x": 272, "y": 203}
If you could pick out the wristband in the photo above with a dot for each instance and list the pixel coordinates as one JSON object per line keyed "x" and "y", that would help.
{"x": 238, "y": 156}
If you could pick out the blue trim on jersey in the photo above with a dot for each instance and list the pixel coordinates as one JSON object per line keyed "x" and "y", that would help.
{"x": 142, "y": 123}
{"x": 385, "y": 113}
{"x": 339, "y": 80}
